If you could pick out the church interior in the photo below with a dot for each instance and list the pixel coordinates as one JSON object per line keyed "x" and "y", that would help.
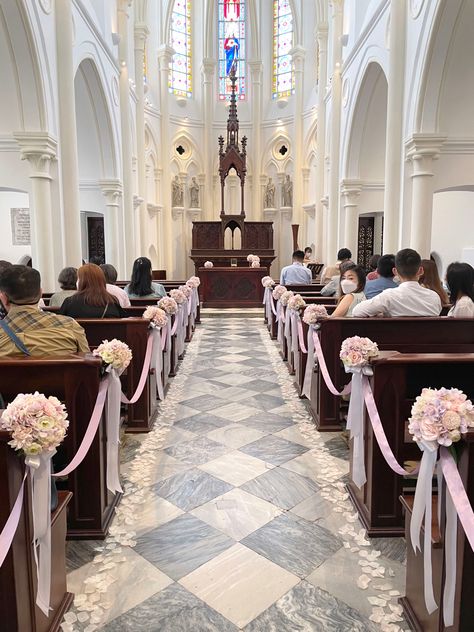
{"x": 236, "y": 315}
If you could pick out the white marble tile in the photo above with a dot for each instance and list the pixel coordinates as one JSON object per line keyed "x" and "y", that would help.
{"x": 234, "y": 357}
{"x": 235, "y": 412}
{"x": 183, "y": 412}
{"x": 234, "y": 379}
{"x": 292, "y": 433}
{"x": 239, "y": 584}
{"x": 154, "y": 513}
{"x": 307, "y": 465}
{"x": 175, "y": 435}
{"x": 235, "y": 435}
{"x": 236, "y": 467}
{"x": 313, "y": 508}
{"x": 166, "y": 466}
{"x": 232, "y": 393}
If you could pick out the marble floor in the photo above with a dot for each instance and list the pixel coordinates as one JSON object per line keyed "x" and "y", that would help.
{"x": 235, "y": 515}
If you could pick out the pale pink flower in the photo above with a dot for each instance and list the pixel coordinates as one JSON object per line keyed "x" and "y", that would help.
{"x": 168, "y": 304}
{"x": 178, "y": 296}
{"x": 114, "y": 353}
{"x": 156, "y": 316}
{"x": 208, "y": 264}
{"x": 278, "y": 292}
{"x": 285, "y": 297}
{"x": 267, "y": 281}
{"x": 313, "y": 313}
{"x": 296, "y": 302}
{"x": 193, "y": 282}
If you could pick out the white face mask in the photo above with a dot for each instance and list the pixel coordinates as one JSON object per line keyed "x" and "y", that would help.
{"x": 348, "y": 286}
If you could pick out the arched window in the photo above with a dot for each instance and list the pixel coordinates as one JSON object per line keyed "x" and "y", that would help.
{"x": 232, "y": 45}
{"x": 180, "y": 80}
{"x": 283, "y": 75}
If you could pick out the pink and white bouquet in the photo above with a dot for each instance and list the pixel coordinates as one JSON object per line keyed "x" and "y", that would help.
{"x": 193, "y": 282}
{"x": 285, "y": 297}
{"x": 267, "y": 281}
{"x": 178, "y": 296}
{"x": 208, "y": 264}
{"x": 253, "y": 261}
{"x": 168, "y": 304}
{"x": 314, "y": 313}
{"x": 356, "y": 352}
{"x": 255, "y": 264}
{"x": 37, "y": 423}
{"x": 156, "y": 316}
{"x": 278, "y": 292}
{"x": 441, "y": 416}
{"x": 296, "y": 302}
{"x": 115, "y": 354}
{"x": 186, "y": 290}
{"x": 250, "y": 258}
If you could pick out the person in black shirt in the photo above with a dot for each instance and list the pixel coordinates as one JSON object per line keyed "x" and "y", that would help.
{"x": 92, "y": 299}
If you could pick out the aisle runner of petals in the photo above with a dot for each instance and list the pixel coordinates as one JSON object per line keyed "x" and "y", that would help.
{"x": 91, "y": 606}
{"x": 385, "y": 608}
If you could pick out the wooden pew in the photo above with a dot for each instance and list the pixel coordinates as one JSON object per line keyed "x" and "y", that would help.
{"x": 75, "y": 381}
{"x": 398, "y": 379}
{"x": 18, "y": 610}
{"x": 407, "y": 335}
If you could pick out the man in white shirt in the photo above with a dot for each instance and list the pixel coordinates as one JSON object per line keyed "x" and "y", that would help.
{"x": 110, "y": 274}
{"x": 296, "y": 274}
{"x": 409, "y": 298}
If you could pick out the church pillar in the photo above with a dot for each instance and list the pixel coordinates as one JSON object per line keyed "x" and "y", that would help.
{"x": 125, "y": 125}
{"x": 112, "y": 191}
{"x": 208, "y": 70}
{"x": 256, "y": 69}
{"x": 69, "y": 167}
{"x": 39, "y": 149}
{"x": 322, "y": 36}
{"x": 141, "y": 33}
{"x": 165, "y": 54}
{"x": 394, "y": 134}
{"x": 350, "y": 190}
{"x": 422, "y": 150}
{"x": 297, "y": 57}
{"x": 335, "y": 128}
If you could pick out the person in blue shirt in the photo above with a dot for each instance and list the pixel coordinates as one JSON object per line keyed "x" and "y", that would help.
{"x": 296, "y": 274}
{"x": 385, "y": 268}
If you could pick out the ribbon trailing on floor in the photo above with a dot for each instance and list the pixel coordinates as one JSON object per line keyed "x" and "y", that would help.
{"x": 153, "y": 348}
{"x": 11, "y": 525}
{"x": 324, "y": 369}
{"x": 157, "y": 359}
{"x": 112, "y": 419}
{"x": 308, "y": 375}
{"x": 294, "y": 317}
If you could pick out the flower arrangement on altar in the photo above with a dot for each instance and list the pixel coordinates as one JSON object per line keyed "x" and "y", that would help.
{"x": 115, "y": 353}
{"x": 208, "y": 264}
{"x": 278, "y": 292}
{"x": 168, "y": 304}
{"x": 441, "y": 416}
{"x": 314, "y": 313}
{"x": 285, "y": 297}
{"x": 156, "y": 316}
{"x": 193, "y": 282}
{"x": 255, "y": 264}
{"x": 178, "y": 296}
{"x": 37, "y": 423}
{"x": 296, "y": 302}
{"x": 254, "y": 261}
{"x": 186, "y": 290}
{"x": 356, "y": 352}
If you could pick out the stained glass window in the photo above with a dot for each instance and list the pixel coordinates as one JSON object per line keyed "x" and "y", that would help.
{"x": 232, "y": 45}
{"x": 283, "y": 75}
{"x": 180, "y": 79}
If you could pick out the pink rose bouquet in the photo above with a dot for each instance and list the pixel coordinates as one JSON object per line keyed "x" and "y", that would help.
{"x": 37, "y": 423}
{"x": 314, "y": 313}
{"x": 255, "y": 264}
{"x": 178, "y": 296}
{"x": 156, "y": 316}
{"x": 193, "y": 282}
{"x": 168, "y": 304}
{"x": 441, "y": 416}
{"x": 356, "y": 352}
{"x": 296, "y": 302}
{"x": 278, "y": 292}
{"x": 250, "y": 258}
{"x": 208, "y": 264}
{"x": 115, "y": 354}
{"x": 267, "y": 281}
{"x": 285, "y": 297}
{"x": 186, "y": 290}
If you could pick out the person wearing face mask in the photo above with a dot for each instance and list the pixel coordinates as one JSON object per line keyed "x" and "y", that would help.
{"x": 352, "y": 289}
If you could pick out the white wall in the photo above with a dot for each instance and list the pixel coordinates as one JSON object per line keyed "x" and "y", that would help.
{"x": 8, "y": 200}
{"x": 453, "y": 225}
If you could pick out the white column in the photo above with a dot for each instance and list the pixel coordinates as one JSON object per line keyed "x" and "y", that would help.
{"x": 394, "y": 135}
{"x": 422, "y": 150}
{"x": 334, "y": 156}
{"x": 112, "y": 191}
{"x": 297, "y": 57}
{"x": 322, "y": 36}
{"x": 125, "y": 123}
{"x": 141, "y": 33}
{"x": 207, "y": 70}
{"x": 256, "y": 69}
{"x": 39, "y": 149}
{"x": 68, "y": 133}
{"x": 350, "y": 191}
{"x": 165, "y": 54}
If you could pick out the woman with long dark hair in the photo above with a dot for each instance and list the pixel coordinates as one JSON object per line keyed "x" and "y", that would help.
{"x": 352, "y": 291}
{"x": 460, "y": 280}
{"x": 91, "y": 299}
{"x": 141, "y": 284}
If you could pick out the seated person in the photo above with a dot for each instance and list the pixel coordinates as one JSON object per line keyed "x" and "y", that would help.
{"x": 28, "y": 331}
{"x": 384, "y": 279}
{"x": 141, "y": 284}
{"x": 373, "y": 272}
{"x": 409, "y": 298}
{"x": 67, "y": 280}
{"x": 333, "y": 288}
{"x": 91, "y": 299}
{"x": 308, "y": 254}
{"x": 3, "y": 266}
{"x": 296, "y": 273}
{"x": 431, "y": 280}
{"x": 460, "y": 279}
{"x": 110, "y": 274}
{"x": 344, "y": 254}
{"x": 352, "y": 288}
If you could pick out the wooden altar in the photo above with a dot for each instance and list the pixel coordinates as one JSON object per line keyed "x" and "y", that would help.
{"x": 232, "y": 287}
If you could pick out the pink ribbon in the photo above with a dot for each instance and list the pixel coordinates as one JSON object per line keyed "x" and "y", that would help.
{"x": 164, "y": 336}
{"x": 143, "y": 376}
{"x": 11, "y": 525}
{"x": 175, "y": 324}
{"x": 324, "y": 370}
{"x": 301, "y": 337}
{"x": 458, "y": 494}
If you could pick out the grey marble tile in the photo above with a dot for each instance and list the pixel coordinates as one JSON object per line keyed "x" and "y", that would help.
{"x": 275, "y": 450}
{"x": 268, "y": 422}
{"x": 281, "y": 487}
{"x": 197, "y": 451}
{"x": 203, "y": 402}
{"x": 261, "y": 386}
{"x": 174, "y": 609}
{"x": 182, "y": 545}
{"x": 80, "y": 552}
{"x": 392, "y": 548}
{"x": 265, "y": 402}
{"x": 201, "y": 423}
{"x": 309, "y": 609}
{"x": 338, "y": 447}
{"x": 209, "y": 373}
{"x": 190, "y": 489}
{"x": 294, "y": 543}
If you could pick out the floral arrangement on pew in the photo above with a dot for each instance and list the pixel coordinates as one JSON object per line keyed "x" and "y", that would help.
{"x": 296, "y": 302}
{"x": 314, "y": 313}
{"x": 278, "y": 292}
{"x": 115, "y": 354}
{"x": 193, "y": 282}
{"x": 178, "y": 296}
{"x": 158, "y": 322}
{"x": 268, "y": 282}
{"x": 168, "y": 304}
{"x": 186, "y": 290}
{"x": 157, "y": 316}
{"x": 356, "y": 353}
{"x": 285, "y": 297}
{"x": 208, "y": 264}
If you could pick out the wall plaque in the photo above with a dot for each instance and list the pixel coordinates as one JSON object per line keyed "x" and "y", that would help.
{"x": 21, "y": 234}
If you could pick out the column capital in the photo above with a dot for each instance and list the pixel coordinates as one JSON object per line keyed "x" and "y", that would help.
{"x": 322, "y": 32}
{"x": 154, "y": 209}
{"x": 123, "y": 6}
{"x": 310, "y": 210}
{"x": 256, "y": 69}
{"x": 165, "y": 54}
{"x": 141, "y": 32}
{"x": 298, "y": 54}
{"x": 351, "y": 189}
{"x": 137, "y": 201}
{"x": 39, "y": 148}
{"x": 208, "y": 66}
{"x": 424, "y": 146}
{"x": 325, "y": 201}
{"x": 112, "y": 191}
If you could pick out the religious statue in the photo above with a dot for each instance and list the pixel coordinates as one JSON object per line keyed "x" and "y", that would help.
{"x": 287, "y": 192}
{"x": 194, "y": 193}
{"x": 269, "y": 194}
{"x": 177, "y": 193}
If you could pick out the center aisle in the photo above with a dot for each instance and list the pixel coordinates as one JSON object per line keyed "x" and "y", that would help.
{"x": 235, "y": 514}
